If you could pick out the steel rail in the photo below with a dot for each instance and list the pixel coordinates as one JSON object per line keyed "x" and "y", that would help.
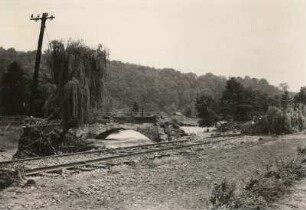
{"x": 33, "y": 171}
{"x": 98, "y": 151}
{"x": 90, "y": 152}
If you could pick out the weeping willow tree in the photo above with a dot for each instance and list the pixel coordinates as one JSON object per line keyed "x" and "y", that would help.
{"x": 279, "y": 121}
{"x": 78, "y": 73}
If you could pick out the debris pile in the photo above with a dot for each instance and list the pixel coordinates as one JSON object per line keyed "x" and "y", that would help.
{"x": 34, "y": 121}
{"x": 44, "y": 141}
{"x": 169, "y": 131}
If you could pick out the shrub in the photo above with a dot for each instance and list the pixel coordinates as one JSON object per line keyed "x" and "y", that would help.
{"x": 277, "y": 121}
{"x": 222, "y": 194}
{"x": 263, "y": 188}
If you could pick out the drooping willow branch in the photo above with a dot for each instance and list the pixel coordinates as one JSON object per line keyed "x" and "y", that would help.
{"x": 78, "y": 73}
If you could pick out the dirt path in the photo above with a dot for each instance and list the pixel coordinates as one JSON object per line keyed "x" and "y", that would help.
{"x": 181, "y": 181}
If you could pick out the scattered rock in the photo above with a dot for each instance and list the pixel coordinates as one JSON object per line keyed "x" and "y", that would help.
{"x": 30, "y": 183}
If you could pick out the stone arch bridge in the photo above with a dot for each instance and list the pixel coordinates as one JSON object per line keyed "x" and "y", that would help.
{"x": 101, "y": 131}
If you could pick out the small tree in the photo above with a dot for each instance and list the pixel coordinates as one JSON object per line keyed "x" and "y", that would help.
{"x": 13, "y": 90}
{"x": 300, "y": 97}
{"x": 188, "y": 111}
{"x": 285, "y": 100}
{"x": 135, "y": 107}
{"x": 236, "y": 101}
{"x": 207, "y": 109}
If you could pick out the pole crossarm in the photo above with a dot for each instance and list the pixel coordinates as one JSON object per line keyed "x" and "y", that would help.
{"x": 45, "y": 16}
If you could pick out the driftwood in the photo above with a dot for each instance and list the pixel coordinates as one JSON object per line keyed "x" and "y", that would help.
{"x": 43, "y": 141}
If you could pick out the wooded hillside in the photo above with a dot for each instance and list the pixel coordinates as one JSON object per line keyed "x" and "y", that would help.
{"x": 152, "y": 89}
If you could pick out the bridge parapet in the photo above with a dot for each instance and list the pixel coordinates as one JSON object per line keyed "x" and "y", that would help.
{"x": 127, "y": 117}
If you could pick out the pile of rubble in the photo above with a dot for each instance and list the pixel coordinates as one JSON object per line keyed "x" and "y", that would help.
{"x": 169, "y": 131}
{"x": 43, "y": 141}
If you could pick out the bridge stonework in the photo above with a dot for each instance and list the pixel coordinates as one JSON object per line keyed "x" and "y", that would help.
{"x": 149, "y": 130}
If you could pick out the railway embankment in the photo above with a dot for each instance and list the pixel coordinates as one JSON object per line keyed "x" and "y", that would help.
{"x": 182, "y": 179}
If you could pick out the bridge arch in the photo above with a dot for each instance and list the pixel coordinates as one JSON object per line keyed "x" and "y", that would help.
{"x": 151, "y": 131}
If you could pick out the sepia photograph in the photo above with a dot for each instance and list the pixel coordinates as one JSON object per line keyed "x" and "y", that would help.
{"x": 153, "y": 104}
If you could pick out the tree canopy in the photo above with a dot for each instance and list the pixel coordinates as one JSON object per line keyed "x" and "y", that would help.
{"x": 164, "y": 90}
{"x": 207, "y": 109}
{"x": 13, "y": 90}
{"x": 237, "y": 103}
{"x": 78, "y": 72}
{"x": 300, "y": 97}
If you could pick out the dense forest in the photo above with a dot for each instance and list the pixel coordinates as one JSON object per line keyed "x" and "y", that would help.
{"x": 165, "y": 90}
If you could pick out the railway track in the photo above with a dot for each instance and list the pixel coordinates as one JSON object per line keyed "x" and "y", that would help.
{"x": 98, "y": 151}
{"x": 72, "y": 161}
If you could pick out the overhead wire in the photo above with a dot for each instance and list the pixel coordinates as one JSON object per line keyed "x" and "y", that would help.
{"x": 46, "y": 29}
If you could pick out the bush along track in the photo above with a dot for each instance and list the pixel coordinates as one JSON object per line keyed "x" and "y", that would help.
{"x": 264, "y": 188}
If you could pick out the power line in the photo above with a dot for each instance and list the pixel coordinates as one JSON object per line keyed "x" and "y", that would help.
{"x": 47, "y": 35}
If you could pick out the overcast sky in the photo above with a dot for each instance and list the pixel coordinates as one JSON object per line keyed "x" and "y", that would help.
{"x": 259, "y": 38}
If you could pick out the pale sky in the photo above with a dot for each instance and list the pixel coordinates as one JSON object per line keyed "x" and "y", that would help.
{"x": 259, "y": 38}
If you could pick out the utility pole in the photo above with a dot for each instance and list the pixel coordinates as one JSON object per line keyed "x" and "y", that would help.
{"x": 43, "y": 19}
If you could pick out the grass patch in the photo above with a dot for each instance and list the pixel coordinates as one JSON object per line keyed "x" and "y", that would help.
{"x": 262, "y": 189}
{"x": 148, "y": 162}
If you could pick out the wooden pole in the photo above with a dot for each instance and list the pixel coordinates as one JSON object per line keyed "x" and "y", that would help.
{"x": 38, "y": 58}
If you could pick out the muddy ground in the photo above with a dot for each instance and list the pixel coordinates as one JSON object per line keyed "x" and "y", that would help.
{"x": 180, "y": 181}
